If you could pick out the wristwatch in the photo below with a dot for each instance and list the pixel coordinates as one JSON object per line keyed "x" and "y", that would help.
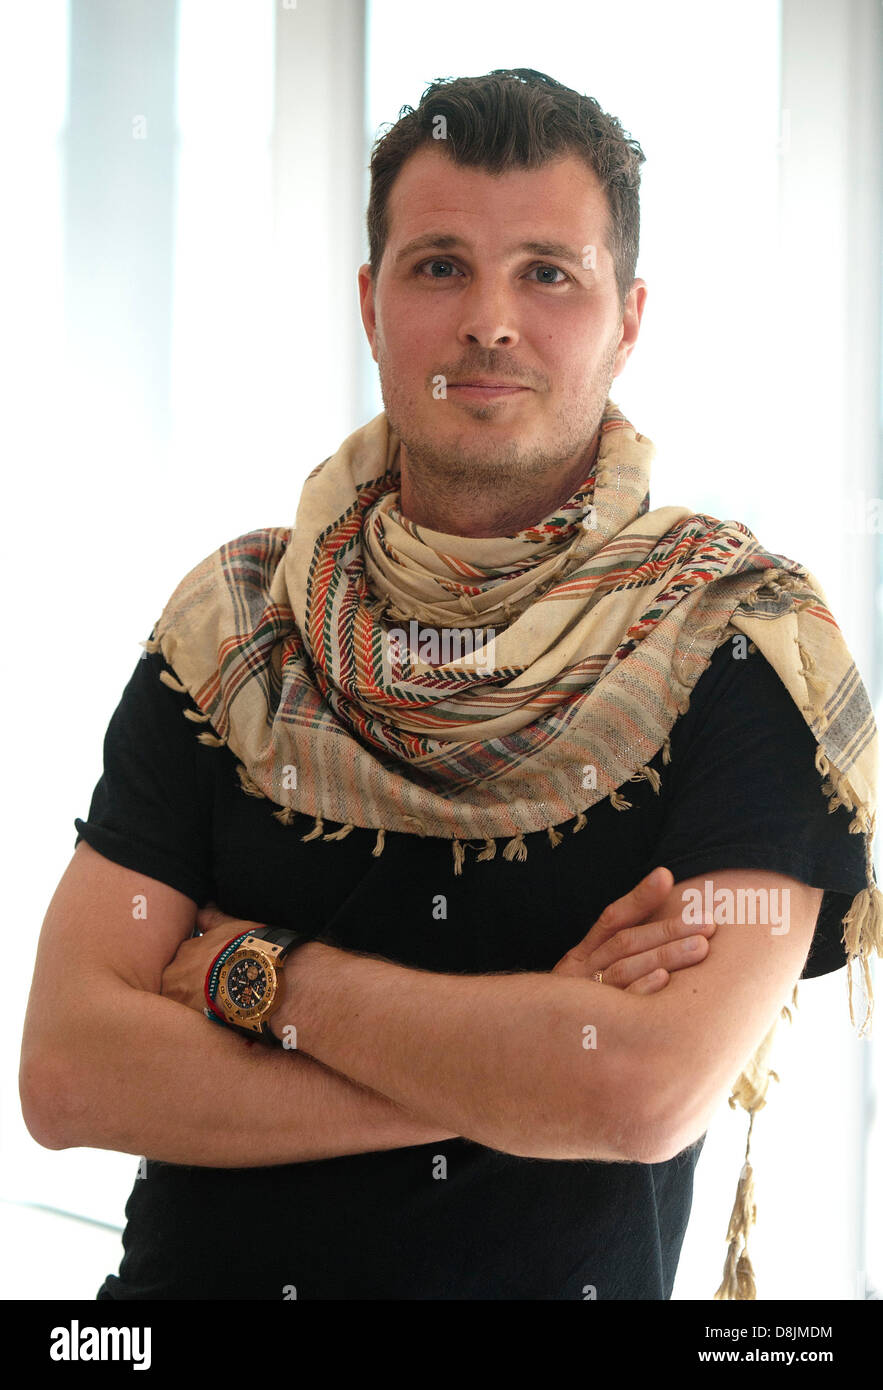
{"x": 243, "y": 986}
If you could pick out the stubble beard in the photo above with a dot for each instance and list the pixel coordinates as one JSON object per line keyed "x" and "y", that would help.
{"x": 473, "y": 466}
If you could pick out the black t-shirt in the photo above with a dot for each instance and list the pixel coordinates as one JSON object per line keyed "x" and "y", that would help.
{"x": 741, "y": 791}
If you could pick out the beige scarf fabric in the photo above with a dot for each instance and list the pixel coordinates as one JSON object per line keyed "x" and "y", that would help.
{"x": 374, "y": 673}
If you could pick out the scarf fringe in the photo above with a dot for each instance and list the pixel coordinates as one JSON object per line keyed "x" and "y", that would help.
{"x": 168, "y": 679}
{"x": 317, "y": 831}
{"x": 251, "y": 788}
{"x": 340, "y": 834}
{"x": 750, "y": 1092}
{"x": 514, "y": 850}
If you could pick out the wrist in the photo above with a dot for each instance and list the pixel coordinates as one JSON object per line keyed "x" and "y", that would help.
{"x": 290, "y": 1021}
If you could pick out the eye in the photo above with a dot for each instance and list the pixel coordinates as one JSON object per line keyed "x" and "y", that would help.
{"x": 558, "y": 271}
{"x": 439, "y": 261}
{"x": 435, "y": 261}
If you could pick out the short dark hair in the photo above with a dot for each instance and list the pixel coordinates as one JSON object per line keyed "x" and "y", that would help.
{"x": 516, "y": 118}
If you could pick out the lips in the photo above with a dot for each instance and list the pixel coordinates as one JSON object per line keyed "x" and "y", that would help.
{"x": 491, "y": 385}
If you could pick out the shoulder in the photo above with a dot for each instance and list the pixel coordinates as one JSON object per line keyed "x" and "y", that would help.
{"x": 739, "y": 694}
{"x": 149, "y": 721}
{"x": 742, "y": 791}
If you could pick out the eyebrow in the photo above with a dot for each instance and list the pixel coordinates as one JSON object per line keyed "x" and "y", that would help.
{"x": 446, "y": 242}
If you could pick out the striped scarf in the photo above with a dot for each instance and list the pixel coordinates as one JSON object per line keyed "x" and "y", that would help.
{"x": 374, "y": 673}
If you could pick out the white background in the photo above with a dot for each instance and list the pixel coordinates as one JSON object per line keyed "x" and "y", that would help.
{"x": 166, "y": 428}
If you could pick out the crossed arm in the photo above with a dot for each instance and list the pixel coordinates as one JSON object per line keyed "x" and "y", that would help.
{"x": 501, "y": 1059}
{"x": 387, "y": 1056}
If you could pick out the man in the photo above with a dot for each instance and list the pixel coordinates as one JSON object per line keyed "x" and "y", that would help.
{"x": 497, "y": 1059}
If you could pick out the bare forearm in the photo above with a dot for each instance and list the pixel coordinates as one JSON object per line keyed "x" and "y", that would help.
{"x": 159, "y": 1080}
{"x": 499, "y": 1059}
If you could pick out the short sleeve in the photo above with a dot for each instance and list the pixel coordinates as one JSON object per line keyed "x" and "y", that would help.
{"x": 150, "y": 810}
{"x": 742, "y": 792}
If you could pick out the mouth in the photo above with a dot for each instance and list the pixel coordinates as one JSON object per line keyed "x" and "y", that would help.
{"x": 485, "y": 391}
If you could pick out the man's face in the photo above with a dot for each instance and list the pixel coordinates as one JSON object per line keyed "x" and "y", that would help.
{"x": 473, "y": 300}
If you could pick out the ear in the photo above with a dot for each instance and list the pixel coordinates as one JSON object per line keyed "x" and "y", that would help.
{"x": 631, "y": 323}
{"x": 366, "y": 302}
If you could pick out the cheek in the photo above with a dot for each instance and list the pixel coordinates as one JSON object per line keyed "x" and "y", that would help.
{"x": 402, "y": 329}
{"x": 567, "y": 334}
{"x": 574, "y": 351}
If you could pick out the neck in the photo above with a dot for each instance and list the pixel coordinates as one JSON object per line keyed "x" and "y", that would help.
{"x": 427, "y": 501}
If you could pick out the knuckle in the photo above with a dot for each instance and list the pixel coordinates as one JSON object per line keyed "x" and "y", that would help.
{"x": 608, "y": 917}
{"x": 627, "y": 940}
{"x": 678, "y": 926}
{"x": 672, "y": 928}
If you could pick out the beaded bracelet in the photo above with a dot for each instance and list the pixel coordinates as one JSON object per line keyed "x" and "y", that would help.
{"x": 212, "y": 975}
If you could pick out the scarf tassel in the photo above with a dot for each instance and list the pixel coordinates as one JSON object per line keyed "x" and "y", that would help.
{"x": 516, "y": 849}
{"x": 168, "y": 679}
{"x": 648, "y": 774}
{"x": 249, "y": 786}
{"x": 195, "y": 716}
{"x": 749, "y": 1091}
{"x": 863, "y": 933}
{"x": 459, "y": 854}
{"x": 317, "y": 831}
{"x": 863, "y": 923}
{"x": 210, "y": 740}
{"x": 340, "y": 834}
{"x": 738, "y": 1281}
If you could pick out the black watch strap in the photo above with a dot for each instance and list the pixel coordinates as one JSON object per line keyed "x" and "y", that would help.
{"x": 280, "y": 936}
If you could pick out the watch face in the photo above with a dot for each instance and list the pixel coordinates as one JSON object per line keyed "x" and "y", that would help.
{"x": 247, "y": 983}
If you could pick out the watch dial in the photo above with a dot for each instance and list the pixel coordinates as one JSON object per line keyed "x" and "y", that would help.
{"x": 247, "y": 983}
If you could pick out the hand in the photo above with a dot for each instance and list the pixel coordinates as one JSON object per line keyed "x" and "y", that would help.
{"x": 636, "y": 954}
{"x": 184, "y": 977}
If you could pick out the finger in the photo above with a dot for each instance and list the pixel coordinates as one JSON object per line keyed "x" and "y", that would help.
{"x": 631, "y": 909}
{"x": 636, "y": 905}
{"x": 645, "y": 937}
{"x": 649, "y": 984}
{"x": 677, "y": 956}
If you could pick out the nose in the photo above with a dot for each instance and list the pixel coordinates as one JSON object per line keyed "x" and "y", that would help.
{"x": 488, "y": 315}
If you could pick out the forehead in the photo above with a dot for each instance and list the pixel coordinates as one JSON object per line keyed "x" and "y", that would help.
{"x": 433, "y": 194}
